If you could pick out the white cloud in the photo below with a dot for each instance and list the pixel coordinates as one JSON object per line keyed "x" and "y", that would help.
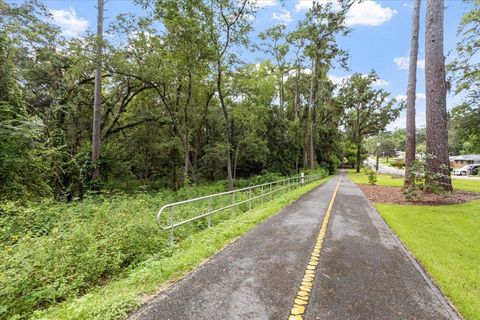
{"x": 339, "y": 79}
{"x": 420, "y": 97}
{"x": 336, "y": 79}
{"x": 68, "y": 21}
{"x": 307, "y": 71}
{"x": 303, "y": 5}
{"x": 403, "y": 62}
{"x": 293, "y": 72}
{"x": 285, "y": 17}
{"x": 381, "y": 83}
{"x": 401, "y": 122}
{"x": 421, "y": 64}
{"x": 266, "y": 3}
{"x": 366, "y": 13}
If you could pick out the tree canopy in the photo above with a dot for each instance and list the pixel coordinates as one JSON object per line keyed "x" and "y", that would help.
{"x": 180, "y": 104}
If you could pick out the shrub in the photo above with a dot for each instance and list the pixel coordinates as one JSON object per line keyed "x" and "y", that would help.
{"x": 420, "y": 175}
{"x": 372, "y": 175}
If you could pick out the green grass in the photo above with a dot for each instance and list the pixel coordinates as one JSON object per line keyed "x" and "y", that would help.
{"x": 382, "y": 179}
{"x": 391, "y": 161}
{"x": 118, "y": 297}
{"x": 466, "y": 185}
{"x": 387, "y": 180}
{"x": 446, "y": 241}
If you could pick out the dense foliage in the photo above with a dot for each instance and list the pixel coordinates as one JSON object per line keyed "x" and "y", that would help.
{"x": 465, "y": 74}
{"x": 368, "y": 110}
{"x": 179, "y": 104}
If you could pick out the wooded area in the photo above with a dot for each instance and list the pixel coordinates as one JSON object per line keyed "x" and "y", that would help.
{"x": 178, "y": 103}
{"x": 99, "y": 131}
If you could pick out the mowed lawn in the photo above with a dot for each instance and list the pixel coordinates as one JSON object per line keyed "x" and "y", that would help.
{"x": 445, "y": 239}
{"x": 386, "y": 180}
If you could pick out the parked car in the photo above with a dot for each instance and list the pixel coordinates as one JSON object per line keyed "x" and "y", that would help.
{"x": 475, "y": 169}
{"x": 469, "y": 169}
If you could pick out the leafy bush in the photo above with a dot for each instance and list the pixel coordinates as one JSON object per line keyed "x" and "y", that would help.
{"x": 372, "y": 175}
{"x": 420, "y": 176}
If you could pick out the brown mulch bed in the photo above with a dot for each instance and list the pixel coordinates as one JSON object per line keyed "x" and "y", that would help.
{"x": 395, "y": 195}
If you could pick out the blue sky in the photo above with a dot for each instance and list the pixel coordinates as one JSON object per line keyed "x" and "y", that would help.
{"x": 379, "y": 40}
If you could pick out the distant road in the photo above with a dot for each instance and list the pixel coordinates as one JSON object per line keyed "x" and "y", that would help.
{"x": 384, "y": 169}
{"x": 401, "y": 172}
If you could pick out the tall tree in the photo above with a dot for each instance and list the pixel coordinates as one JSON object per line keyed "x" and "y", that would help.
{"x": 229, "y": 25}
{"x": 410, "y": 145}
{"x": 322, "y": 24}
{"x": 97, "y": 102}
{"x": 275, "y": 44}
{"x": 368, "y": 110}
{"x": 465, "y": 70}
{"x": 436, "y": 98}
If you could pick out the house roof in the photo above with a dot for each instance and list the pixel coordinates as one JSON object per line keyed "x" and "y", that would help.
{"x": 471, "y": 157}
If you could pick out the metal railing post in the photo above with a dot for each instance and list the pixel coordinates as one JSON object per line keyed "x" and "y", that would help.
{"x": 250, "y": 199}
{"x": 261, "y": 194}
{"x": 171, "y": 224}
{"x": 271, "y": 195}
{"x": 209, "y": 218}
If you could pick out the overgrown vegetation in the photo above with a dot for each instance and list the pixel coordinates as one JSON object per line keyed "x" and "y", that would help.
{"x": 52, "y": 252}
{"x": 445, "y": 239}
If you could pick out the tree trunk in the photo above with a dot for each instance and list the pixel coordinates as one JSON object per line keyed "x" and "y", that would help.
{"x": 410, "y": 144}
{"x": 235, "y": 161}
{"x": 305, "y": 146}
{"x": 359, "y": 148}
{"x": 312, "y": 101}
{"x": 97, "y": 103}
{"x": 227, "y": 127}
{"x": 296, "y": 99}
{"x": 186, "y": 138}
{"x": 280, "y": 90}
{"x": 312, "y": 145}
{"x": 436, "y": 102}
{"x": 359, "y": 139}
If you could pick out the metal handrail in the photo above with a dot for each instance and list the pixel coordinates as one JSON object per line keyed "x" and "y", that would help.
{"x": 286, "y": 183}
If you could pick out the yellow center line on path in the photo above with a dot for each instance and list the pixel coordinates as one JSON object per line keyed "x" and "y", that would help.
{"x": 303, "y": 293}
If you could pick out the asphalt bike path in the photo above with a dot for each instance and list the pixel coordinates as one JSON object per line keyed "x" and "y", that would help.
{"x": 328, "y": 255}
{"x": 365, "y": 272}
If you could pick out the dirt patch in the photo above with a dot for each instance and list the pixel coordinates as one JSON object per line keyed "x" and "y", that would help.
{"x": 395, "y": 195}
